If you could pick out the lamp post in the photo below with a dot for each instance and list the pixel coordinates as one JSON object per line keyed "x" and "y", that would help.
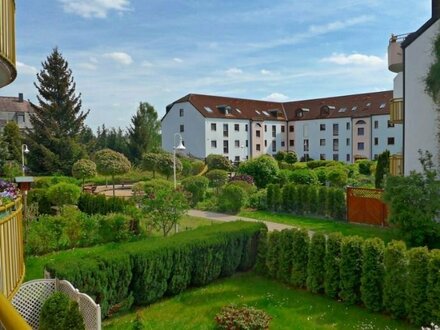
{"x": 180, "y": 146}
{"x": 24, "y": 149}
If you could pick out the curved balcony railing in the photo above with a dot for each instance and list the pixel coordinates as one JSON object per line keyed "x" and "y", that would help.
{"x": 8, "y": 70}
{"x": 11, "y": 248}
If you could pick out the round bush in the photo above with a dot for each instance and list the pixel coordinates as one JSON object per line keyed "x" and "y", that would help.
{"x": 304, "y": 176}
{"x": 217, "y": 178}
{"x": 64, "y": 193}
{"x": 61, "y": 314}
{"x": 242, "y": 318}
{"x": 232, "y": 198}
{"x": 197, "y": 186}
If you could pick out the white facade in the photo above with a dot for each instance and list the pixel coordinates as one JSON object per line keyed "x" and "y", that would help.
{"x": 385, "y": 136}
{"x": 421, "y": 116}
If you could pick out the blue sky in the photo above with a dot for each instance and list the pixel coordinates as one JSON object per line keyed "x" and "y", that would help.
{"x": 122, "y": 52}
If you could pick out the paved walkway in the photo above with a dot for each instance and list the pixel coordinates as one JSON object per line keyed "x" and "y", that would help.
{"x": 271, "y": 226}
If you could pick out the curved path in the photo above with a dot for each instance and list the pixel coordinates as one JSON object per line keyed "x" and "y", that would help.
{"x": 271, "y": 226}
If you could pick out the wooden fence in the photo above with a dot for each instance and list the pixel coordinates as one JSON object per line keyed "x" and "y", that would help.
{"x": 365, "y": 205}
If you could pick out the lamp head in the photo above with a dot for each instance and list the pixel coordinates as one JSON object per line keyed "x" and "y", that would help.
{"x": 26, "y": 149}
{"x": 180, "y": 146}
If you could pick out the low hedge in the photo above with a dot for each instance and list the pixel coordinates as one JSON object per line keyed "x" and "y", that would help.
{"x": 100, "y": 204}
{"x": 144, "y": 271}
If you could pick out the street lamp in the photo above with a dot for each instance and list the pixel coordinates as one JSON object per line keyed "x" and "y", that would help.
{"x": 180, "y": 146}
{"x": 24, "y": 149}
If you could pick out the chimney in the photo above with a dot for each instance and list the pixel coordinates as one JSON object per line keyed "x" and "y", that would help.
{"x": 436, "y": 9}
{"x": 20, "y": 97}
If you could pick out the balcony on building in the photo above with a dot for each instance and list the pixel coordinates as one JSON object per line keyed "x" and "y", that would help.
{"x": 8, "y": 70}
{"x": 396, "y": 110}
{"x": 395, "y": 53}
{"x": 396, "y": 164}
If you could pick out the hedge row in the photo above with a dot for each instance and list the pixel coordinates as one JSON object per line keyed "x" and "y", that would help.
{"x": 305, "y": 199}
{"x": 391, "y": 279}
{"x": 100, "y": 204}
{"x": 142, "y": 272}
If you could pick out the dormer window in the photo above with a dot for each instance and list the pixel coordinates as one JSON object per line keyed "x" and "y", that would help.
{"x": 275, "y": 113}
{"x": 226, "y": 109}
{"x": 325, "y": 110}
{"x": 299, "y": 113}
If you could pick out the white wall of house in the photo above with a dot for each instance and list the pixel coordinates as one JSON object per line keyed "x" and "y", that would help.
{"x": 275, "y": 137}
{"x": 398, "y": 85}
{"x": 385, "y": 136}
{"x": 193, "y": 124}
{"x": 420, "y": 125}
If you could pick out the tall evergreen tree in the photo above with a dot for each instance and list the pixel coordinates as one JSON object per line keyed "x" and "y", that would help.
{"x": 143, "y": 134}
{"x": 13, "y": 140}
{"x": 58, "y": 120}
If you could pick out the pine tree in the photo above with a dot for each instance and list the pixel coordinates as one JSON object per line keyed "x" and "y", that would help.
{"x": 144, "y": 133}
{"x": 58, "y": 120}
{"x": 13, "y": 140}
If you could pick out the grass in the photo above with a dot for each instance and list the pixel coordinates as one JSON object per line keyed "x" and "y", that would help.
{"x": 289, "y": 308}
{"x": 35, "y": 265}
{"x": 323, "y": 225}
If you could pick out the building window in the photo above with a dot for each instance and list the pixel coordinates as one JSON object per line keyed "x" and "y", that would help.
{"x": 306, "y": 130}
{"x": 361, "y": 131}
{"x": 225, "y": 130}
{"x": 283, "y": 144}
{"x": 291, "y": 128}
{"x": 258, "y": 147}
{"x": 265, "y": 143}
{"x": 247, "y": 143}
{"x": 274, "y": 146}
{"x": 225, "y": 146}
{"x": 213, "y": 127}
{"x": 322, "y": 142}
{"x": 274, "y": 131}
{"x": 347, "y": 157}
{"x": 265, "y": 128}
{"x": 376, "y": 124}
{"x": 336, "y": 157}
{"x": 257, "y": 133}
{"x": 291, "y": 143}
{"x": 376, "y": 141}
{"x": 213, "y": 144}
{"x": 347, "y": 142}
{"x": 237, "y": 159}
{"x": 182, "y": 128}
{"x": 361, "y": 146}
{"x": 390, "y": 141}
{"x": 237, "y": 143}
{"x": 376, "y": 156}
{"x": 335, "y": 145}
{"x": 306, "y": 145}
{"x": 390, "y": 124}
{"x": 322, "y": 156}
{"x": 237, "y": 127}
{"x": 347, "y": 125}
{"x": 322, "y": 127}
{"x": 181, "y": 112}
{"x": 246, "y": 127}
{"x": 283, "y": 129}
{"x": 335, "y": 129}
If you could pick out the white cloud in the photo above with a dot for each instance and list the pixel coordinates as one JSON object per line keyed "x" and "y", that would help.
{"x": 146, "y": 64}
{"x": 93, "y": 59}
{"x": 87, "y": 66}
{"x": 277, "y": 97}
{"x": 265, "y": 72}
{"x": 25, "y": 69}
{"x": 120, "y": 57}
{"x": 234, "y": 72}
{"x": 177, "y": 60}
{"x": 94, "y": 8}
{"x": 355, "y": 59}
{"x": 338, "y": 25}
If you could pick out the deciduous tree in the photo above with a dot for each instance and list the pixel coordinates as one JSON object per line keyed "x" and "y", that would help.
{"x": 110, "y": 162}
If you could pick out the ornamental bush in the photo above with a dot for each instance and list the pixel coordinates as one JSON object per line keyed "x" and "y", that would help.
{"x": 304, "y": 176}
{"x": 263, "y": 169}
{"x": 300, "y": 247}
{"x": 197, "y": 186}
{"x": 58, "y": 312}
{"x": 218, "y": 162}
{"x": 242, "y": 318}
{"x": 395, "y": 263}
{"x": 232, "y": 198}
{"x": 315, "y": 265}
{"x": 434, "y": 286}
{"x": 146, "y": 270}
{"x": 285, "y": 255}
{"x": 64, "y": 194}
{"x": 372, "y": 274}
{"x": 217, "y": 178}
{"x": 350, "y": 269}
{"x": 273, "y": 254}
{"x": 416, "y": 286}
{"x": 332, "y": 265}
{"x": 100, "y": 204}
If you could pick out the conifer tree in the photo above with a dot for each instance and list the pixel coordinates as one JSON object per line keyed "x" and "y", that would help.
{"x": 58, "y": 120}
{"x": 13, "y": 140}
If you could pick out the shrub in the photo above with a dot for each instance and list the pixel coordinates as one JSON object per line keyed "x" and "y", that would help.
{"x": 382, "y": 169}
{"x": 372, "y": 274}
{"x": 242, "y": 318}
{"x": 258, "y": 200}
{"x": 232, "y": 198}
{"x": 263, "y": 169}
{"x": 243, "y": 177}
{"x": 39, "y": 196}
{"x": 260, "y": 263}
{"x": 74, "y": 319}
{"x": 416, "y": 286}
{"x": 249, "y": 188}
{"x": 197, "y": 166}
{"x": 290, "y": 157}
{"x": 217, "y": 178}
{"x": 312, "y": 197}
{"x": 332, "y": 263}
{"x": 63, "y": 193}
{"x": 337, "y": 204}
{"x": 365, "y": 166}
{"x": 323, "y": 200}
{"x": 280, "y": 155}
{"x": 60, "y": 313}
{"x": 315, "y": 266}
{"x": 434, "y": 286}
{"x": 300, "y": 246}
{"x": 304, "y": 176}
{"x": 273, "y": 254}
{"x": 395, "y": 278}
{"x": 197, "y": 186}
{"x": 218, "y": 162}
{"x": 337, "y": 176}
{"x": 283, "y": 177}
{"x": 47, "y": 181}
{"x": 100, "y": 204}
{"x": 285, "y": 255}
{"x": 321, "y": 173}
{"x": 149, "y": 269}
{"x": 351, "y": 267}
{"x": 155, "y": 184}
{"x": 274, "y": 198}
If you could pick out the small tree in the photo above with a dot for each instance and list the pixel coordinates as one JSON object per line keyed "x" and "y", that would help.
{"x": 290, "y": 157}
{"x": 263, "y": 169}
{"x": 197, "y": 186}
{"x": 315, "y": 265}
{"x": 382, "y": 168}
{"x": 84, "y": 168}
{"x": 150, "y": 162}
{"x": 109, "y": 162}
{"x": 64, "y": 194}
{"x": 217, "y": 178}
{"x": 165, "y": 207}
{"x": 218, "y": 162}
{"x": 166, "y": 165}
{"x": 232, "y": 198}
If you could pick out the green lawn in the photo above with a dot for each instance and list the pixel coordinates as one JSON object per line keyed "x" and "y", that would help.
{"x": 323, "y": 225}
{"x": 289, "y": 308}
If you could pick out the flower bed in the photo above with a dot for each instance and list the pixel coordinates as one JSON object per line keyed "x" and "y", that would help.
{"x": 8, "y": 193}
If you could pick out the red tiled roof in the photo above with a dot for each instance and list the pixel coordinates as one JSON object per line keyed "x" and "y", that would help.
{"x": 12, "y": 104}
{"x": 364, "y": 105}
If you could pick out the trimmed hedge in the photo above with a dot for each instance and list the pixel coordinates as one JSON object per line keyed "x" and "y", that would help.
{"x": 144, "y": 271}
{"x": 100, "y": 204}
{"x": 405, "y": 284}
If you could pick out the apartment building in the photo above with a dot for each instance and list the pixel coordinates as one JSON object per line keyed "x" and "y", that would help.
{"x": 15, "y": 109}
{"x": 410, "y": 56}
{"x": 342, "y": 128}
